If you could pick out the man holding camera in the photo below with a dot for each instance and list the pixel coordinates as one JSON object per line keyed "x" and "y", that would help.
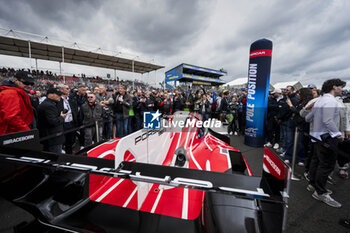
{"x": 325, "y": 118}
{"x": 70, "y": 107}
{"x": 51, "y": 120}
{"x": 232, "y": 117}
{"x": 122, "y": 105}
{"x": 106, "y": 101}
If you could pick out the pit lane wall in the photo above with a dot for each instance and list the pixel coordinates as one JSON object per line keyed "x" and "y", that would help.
{"x": 257, "y": 91}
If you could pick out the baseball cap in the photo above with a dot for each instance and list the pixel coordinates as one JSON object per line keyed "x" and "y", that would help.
{"x": 277, "y": 90}
{"x": 25, "y": 77}
{"x": 110, "y": 89}
{"x": 311, "y": 86}
{"x": 54, "y": 91}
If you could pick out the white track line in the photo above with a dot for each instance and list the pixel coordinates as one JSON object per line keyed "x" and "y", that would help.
{"x": 205, "y": 141}
{"x": 109, "y": 190}
{"x": 188, "y": 134}
{"x": 130, "y": 197}
{"x": 192, "y": 156}
{"x": 106, "y": 153}
{"x": 184, "y": 214}
{"x": 108, "y": 142}
{"x": 178, "y": 141}
{"x": 156, "y": 201}
{"x": 207, "y": 166}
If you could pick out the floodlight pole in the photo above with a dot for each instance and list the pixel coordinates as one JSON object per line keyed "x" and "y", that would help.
{"x": 133, "y": 79}
{"x": 64, "y": 77}
{"x": 133, "y": 70}
{"x": 30, "y": 54}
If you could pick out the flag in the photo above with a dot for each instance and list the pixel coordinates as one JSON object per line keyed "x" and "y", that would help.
{"x": 214, "y": 96}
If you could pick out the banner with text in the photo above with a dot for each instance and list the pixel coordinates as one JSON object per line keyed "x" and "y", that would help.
{"x": 257, "y": 91}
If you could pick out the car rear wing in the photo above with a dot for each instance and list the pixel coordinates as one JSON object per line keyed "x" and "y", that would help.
{"x": 268, "y": 187}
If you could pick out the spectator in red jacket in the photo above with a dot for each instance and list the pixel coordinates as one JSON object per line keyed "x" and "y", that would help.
{"x": 16, "y": 112}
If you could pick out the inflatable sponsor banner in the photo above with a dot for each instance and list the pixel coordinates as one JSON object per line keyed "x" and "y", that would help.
{"x": 257, "y": 91}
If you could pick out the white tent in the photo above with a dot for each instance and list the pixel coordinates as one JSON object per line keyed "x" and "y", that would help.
{"x": 237, "y": 83}
{"x": 347, "y": 87}
{"x": 296, "y": 84}
{"x": 241, "y": 83}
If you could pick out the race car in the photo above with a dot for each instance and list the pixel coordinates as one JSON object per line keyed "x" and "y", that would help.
{"x": 171, "y": 179}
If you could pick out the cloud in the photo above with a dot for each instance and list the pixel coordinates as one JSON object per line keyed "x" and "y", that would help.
{"x": 310, "y": 38}
{"x": 160, "y": 27}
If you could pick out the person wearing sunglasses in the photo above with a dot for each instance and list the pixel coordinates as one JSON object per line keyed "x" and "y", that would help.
{"x": 16, "y": 112}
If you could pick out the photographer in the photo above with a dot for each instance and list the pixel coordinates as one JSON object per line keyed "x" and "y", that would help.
{"x": 70, "y": 107}
{"x": 205, "y": 107}
{"x": 155, "y": 100}
{"x": 232, "y": 117}
{"x": 106, "y": 101}
{"x": 146, "y": 103}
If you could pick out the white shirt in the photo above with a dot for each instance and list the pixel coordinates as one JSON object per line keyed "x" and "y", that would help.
{"x": 325, "y": 117}
{"x": 66, "y": 105}
{"x": 41, "y": 99}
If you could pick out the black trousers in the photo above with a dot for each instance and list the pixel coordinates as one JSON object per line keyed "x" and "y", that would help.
{"x": 273, "y": 131}
{"x": 233, "y": 126}
{"x": 310, "y": 153}
{"x": 54, "y": 148}
{"x": 70, "y": 137}
{"x": 322, "y": 164}
{"x": 241, "y": 121}
{"x": 344, "y": 147}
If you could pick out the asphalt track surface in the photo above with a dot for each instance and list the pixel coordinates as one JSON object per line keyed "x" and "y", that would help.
{"x": 305, "y": 214}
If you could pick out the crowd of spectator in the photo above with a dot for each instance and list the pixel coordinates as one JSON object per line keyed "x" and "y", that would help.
{"x": 45, "y": 79}
{"x": 325, "y": 116}
{"x": 118, "y": 108}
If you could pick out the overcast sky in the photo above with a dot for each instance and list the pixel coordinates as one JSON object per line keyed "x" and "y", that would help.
{"x": 311, "y": 39}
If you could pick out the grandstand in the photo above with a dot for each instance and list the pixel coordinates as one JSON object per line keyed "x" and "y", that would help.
{"x": 193, "y": 75}
{"x": 32, "y": 46}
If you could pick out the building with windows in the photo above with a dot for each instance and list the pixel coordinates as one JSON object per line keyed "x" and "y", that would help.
{"x": 185, "y": 74}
